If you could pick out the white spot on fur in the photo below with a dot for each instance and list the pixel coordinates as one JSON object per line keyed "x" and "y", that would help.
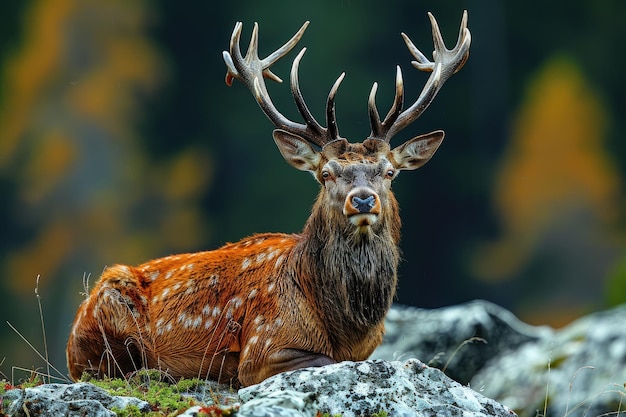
{"x": 208, "y": 323}
{"x": 252, "y": 294}
{"x": 216, "y": 311}
{"x": 259, "y": 322}
{"x": 154, "y": 275}
{"x": 270, "y": 287}
{"x": 165, "y": 293}
{"x": 213, "y": 280}
{"x": 261, "y": 257}
{"x": 279, "y": 261}
{"x": 188, "y": 323}
{"x": 253, "y": 339}
{"x": 235, "y": 302}
{"x": 169, "y": 275}
{"x": 191, "y": 286}
{"x": 168, "y": 327}
{"x": 197, "y": 322}
{"x": 245, "y": 264}
{"x": 268, "y": 341}
{"x": 273, "y": 253}
{"x": 259, "y": 240}
{"x": 176, "y": 286}
{"x": 190, "y": 266}
{"x": 124, "y": 268}
{"x": 206, "y": 310}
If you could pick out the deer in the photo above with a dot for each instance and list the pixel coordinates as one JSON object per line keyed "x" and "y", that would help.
{"x": 276, "y": 302}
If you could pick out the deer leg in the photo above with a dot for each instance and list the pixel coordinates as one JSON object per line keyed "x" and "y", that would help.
{"x": 290, "y": 359}
{"x": 110, "y": 334}
{"x": 282, "y": 361}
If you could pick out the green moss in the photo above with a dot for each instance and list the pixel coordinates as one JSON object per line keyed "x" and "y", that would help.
{"x": 165, "y": 396}
{"x": 131, "y": 411}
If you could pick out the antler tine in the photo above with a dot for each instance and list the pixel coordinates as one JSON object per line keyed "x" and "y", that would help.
{"x": 379, "y": 129}
{"x": 251, "y": 71}
{"x": 331, "y": 120}
{"x": 317, "y": 130}
{"x": 318, "y": 135}
{"x": 445, "y": 63}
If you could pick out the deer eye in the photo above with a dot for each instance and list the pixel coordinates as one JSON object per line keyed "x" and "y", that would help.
{"x": 390, "y": 173}
{"x": 326, "y": 175}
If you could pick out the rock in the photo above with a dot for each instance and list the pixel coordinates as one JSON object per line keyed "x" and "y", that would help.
{"x": 579, "y": 371}
{"x": 460, "y": 339}
{"x": 283, "y": 403}
{"x": 80, "y": 399}
{"x": 364, "y": 388}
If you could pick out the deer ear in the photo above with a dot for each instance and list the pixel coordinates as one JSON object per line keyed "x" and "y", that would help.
{"x": 297, "y": 151}
{"x": 415, "y": 152}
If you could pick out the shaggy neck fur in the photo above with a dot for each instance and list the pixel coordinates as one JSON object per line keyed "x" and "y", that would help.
{"x": 354, "y": 272}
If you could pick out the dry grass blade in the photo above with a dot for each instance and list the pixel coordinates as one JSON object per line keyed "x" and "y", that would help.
{"x": 62, "y": 377}
{"x": 43, "y": 326}
{"x": 465, "y": 342}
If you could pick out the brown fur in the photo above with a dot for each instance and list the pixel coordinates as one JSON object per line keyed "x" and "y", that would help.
{"x": 266, "y": 304}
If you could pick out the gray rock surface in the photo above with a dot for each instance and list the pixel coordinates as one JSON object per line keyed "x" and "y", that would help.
{"x": 579, "y": 370}
{"x": 460, "y": 339}
{"x": 73, "y": 400}
{"x": 364, "y": 388}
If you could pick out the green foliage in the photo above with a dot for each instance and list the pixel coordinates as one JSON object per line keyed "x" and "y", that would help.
{"x": 166, "y": 397}
{"x": 148, "y": 386}
{"x": 131, "y": 411}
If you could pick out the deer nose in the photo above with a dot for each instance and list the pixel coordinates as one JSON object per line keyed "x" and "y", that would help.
{"x": 361, "y": 201}
{"x": 363, "y": 205}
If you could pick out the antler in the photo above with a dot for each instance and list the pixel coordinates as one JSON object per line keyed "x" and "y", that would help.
{"x": 446, "y": 63}
{"x": 252, "y": 71}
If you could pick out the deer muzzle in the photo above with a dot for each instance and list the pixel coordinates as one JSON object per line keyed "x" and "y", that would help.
{"x": 362, "y": 207}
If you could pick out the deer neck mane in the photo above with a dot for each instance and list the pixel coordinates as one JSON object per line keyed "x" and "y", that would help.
{"x": 352, "y": 275}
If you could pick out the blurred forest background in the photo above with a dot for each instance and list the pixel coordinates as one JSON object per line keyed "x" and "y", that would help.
{"x": 120, "y": 142}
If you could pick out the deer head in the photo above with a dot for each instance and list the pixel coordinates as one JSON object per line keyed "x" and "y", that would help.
{"x": 355, "y": 177}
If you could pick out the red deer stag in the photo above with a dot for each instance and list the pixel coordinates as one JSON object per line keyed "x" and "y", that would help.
{"x": 276, "y": 302}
